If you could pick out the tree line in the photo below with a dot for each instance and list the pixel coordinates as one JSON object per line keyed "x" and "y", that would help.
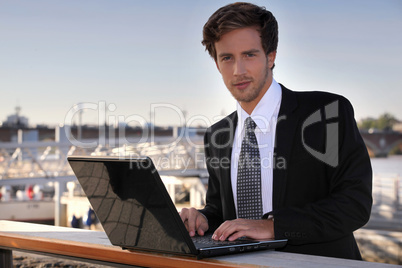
{"x": 384, "y": 122}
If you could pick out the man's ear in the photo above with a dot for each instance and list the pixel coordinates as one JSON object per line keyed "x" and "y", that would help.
{"x": 217, "y": 66}
{"x": 271, "y": 59}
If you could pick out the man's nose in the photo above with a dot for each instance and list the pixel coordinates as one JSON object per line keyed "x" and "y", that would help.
{"x": 239, "y": 67}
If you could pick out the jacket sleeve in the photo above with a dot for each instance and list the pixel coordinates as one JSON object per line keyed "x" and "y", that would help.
{"x": 213, "y": 207}
{"x": 345, "y": 201}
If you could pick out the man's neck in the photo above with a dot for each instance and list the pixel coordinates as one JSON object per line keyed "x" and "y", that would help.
{"x": 249, "y": 107}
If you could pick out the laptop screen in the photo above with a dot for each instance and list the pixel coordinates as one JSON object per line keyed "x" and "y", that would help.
{"x": 132, "y": 204}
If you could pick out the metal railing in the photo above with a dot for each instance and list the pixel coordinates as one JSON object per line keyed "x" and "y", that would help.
{"x": 49, "y": 159}
{"x": 45, "y": 163}
{"x": 387, "y": 191}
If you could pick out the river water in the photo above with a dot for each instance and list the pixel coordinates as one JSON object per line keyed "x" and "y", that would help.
{"x": 387, "y": 181}
{"x": 389, "y": 167}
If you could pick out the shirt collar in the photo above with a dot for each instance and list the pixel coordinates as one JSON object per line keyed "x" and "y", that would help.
{"x": 264, "y": 111}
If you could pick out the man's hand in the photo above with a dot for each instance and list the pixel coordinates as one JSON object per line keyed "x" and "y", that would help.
{"x": 255, "y": 229}
{"x": 194, "y": 221}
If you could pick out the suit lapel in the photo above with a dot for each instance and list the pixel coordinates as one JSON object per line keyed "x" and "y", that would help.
{"x": 226, "y": 137}
{"x": 285, "y": 134}
{"x": 284, "y": 137}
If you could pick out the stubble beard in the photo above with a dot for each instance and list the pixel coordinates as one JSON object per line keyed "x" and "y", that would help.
{"x": 252, "y": 93}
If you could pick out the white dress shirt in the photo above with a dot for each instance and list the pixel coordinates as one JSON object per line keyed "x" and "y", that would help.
{"x": 265, "y": 115}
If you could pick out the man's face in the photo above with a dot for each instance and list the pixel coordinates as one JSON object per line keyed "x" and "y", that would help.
{"x": 245, "y": 68}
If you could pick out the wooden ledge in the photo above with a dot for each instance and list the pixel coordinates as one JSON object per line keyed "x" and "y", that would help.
{"x": 86, "y": 245}
{"x": 70, "y": 242}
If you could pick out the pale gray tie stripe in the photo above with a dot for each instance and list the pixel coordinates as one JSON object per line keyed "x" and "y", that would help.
{"x": 249, "y": 197}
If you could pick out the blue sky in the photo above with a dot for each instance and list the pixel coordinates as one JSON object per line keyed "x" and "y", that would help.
{"x": 139, "y": 56}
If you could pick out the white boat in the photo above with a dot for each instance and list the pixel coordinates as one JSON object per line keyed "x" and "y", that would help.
{"x": 29, "y": 205}
{"x": 38, "y": 211}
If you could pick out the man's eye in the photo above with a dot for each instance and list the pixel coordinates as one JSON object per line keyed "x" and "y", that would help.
{"x": 226, "y": 58}
{"x": 249, "y": 55}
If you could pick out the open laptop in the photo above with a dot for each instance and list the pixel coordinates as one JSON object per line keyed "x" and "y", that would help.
{"x": 136, "y": 211}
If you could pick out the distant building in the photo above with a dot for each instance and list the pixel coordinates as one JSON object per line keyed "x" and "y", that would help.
{"x": 397, "y": 127}
{"x": 16, "y": 120}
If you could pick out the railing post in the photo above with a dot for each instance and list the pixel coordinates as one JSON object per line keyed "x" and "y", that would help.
{"x": 59, "y": 188}
{"x": 6, "y": 258}
{"x": 20, "y": 137}
{"x": 396, "y": 191}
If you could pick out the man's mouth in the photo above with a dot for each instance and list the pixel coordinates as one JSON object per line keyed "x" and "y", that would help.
{"x": 242, "y": 85}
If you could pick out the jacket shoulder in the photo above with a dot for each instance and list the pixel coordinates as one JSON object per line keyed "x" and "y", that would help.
{"x": 313, "y": 100}
{"x": 228, "y": 122}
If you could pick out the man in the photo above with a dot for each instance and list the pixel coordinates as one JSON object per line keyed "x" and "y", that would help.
{"x": 311, "y": 173}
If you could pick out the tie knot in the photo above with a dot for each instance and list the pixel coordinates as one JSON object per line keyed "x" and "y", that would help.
{"x": 250, "y": 124}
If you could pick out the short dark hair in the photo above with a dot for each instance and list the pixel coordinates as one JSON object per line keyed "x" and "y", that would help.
{"x": 240, "y": 15}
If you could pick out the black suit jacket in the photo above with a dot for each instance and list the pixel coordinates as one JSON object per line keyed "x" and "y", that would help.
{"x": 322, "y": 175}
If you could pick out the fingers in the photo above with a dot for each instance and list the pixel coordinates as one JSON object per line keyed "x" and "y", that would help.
{"x": 194, "y": 221}
{"x": 201, "y": 224}
{"x": 255, "y": 229}
{"x": 184, "y": 215}
{"x": 230, "y": 230}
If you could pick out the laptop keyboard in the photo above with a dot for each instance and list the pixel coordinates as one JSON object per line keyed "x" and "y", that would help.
{"x": 208, "y": 241}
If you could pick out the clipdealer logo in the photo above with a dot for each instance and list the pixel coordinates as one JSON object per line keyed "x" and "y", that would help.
{"x": 331, "y": 154}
